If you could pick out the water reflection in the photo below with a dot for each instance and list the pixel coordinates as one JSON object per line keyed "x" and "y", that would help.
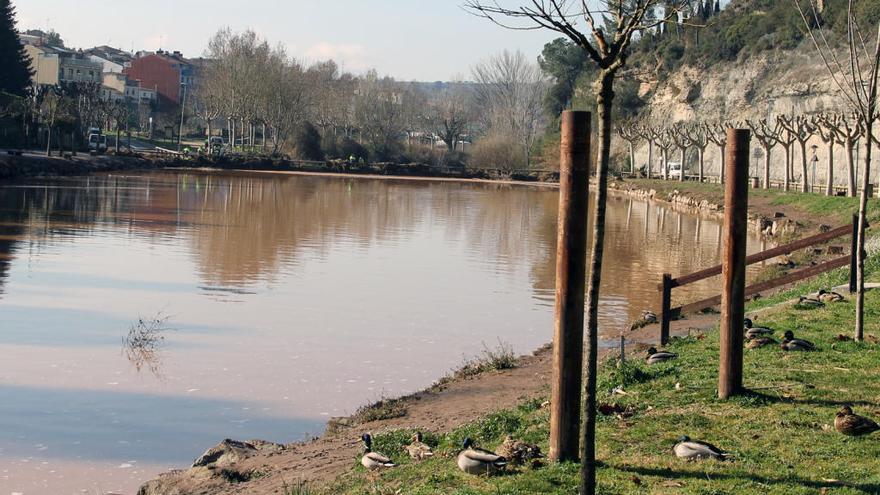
{"x": 300, "y": 295}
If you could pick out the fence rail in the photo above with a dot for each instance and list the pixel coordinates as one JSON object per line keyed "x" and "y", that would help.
{"x": 668, "y": 313}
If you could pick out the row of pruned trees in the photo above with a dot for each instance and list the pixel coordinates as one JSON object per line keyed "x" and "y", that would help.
{"x": 791, "y": 133}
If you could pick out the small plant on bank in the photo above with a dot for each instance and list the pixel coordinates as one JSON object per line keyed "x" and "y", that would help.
{"x": 380, "y": 410}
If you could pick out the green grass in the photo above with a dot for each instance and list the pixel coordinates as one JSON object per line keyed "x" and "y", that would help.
{"x": 780, "y": 432}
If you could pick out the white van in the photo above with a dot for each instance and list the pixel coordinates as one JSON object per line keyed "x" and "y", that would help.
{"x": 674, "y": 170}
{"x": 97, "y": 143}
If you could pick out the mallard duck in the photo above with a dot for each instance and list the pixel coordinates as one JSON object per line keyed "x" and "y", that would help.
{"x": 474, "y": 460}
{"x": 789, "y": 343}
{"x": 753, "y": 332}
{"x": 417, "y": 449}
{"x": 809, "y": 302}
{"x": 826, "y": 296}
{"x": 518, "y": 452}
{"x": 649, "y": 317}
{"x": 758, "y": 342}
{"x": 852, "y": 424}
{"x": 693, "y": 449}
{"x": 655, "y": 356}
{"x": 373, "y": 460}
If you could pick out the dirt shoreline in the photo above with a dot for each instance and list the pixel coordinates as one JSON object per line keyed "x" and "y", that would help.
{"x": 440, "y": 408}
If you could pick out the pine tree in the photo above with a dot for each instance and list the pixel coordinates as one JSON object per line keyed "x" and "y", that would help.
{"x": 15, "y": 70}
{"x": 717, "y": 7}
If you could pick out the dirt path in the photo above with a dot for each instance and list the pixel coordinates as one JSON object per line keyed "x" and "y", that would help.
{"x": 438, "y": 410}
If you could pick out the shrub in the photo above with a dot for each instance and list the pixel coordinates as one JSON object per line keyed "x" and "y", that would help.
{"x": 307, "y": 142}
{"x": 497, "y": 152}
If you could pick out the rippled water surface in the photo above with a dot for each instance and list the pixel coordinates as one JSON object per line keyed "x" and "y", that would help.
{"x": 289, "y": 299}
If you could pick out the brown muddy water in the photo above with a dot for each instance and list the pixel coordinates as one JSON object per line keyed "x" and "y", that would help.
{"x": 288, "y": 298}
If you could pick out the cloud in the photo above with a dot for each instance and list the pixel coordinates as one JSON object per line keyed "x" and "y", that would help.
{"x": 352, "y": 55}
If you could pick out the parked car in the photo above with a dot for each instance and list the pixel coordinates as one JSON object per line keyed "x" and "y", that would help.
{"x": 674, "y": 170}
{"x": 215, "y": 145}
{"x": 97, "y": 143}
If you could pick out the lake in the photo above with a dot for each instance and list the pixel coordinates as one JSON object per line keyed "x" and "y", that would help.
{"x": 283, "y": 300}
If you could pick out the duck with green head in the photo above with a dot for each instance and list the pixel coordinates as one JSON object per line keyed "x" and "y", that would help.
{"x": 654, "y": 356}
{"x": 373, "y": 460}
{"x": 693, "y": 449}
{"x": 789, "y": 343}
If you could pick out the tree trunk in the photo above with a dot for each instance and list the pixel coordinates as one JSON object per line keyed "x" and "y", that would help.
{"x": 700, "y": 152}
{"x": 650, "y": 158}
{"x": 861, "y": 253}
{"x": 786, "y": 185}
{"x": 767, "y": 167}
{"x": 665, "y": 164}
{"x": 588, "y": 446}
{"x": 118, "y": 132}
{"x": 851, "y": 169}
{"x": 208, "y": 124}
{"x": 805, "y": 182}
{"x": 829, "y": 187}
{"x": 49, "y": 141}
{"x": 632, "y": 158}
{"x": 683, "y": 158}
{"x": 721, "y": 163}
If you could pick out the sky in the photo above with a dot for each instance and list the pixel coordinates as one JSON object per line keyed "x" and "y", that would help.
{"x": 424, "y": 40}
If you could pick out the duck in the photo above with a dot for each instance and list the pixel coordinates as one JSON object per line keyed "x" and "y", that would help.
{"x": 758, "y": 342}
{"x": 373, "y": 460}
{"x": 853, "y": 425}
{"x": 474, "y": 460}
{"x": 789, "y": 343}
{"x": 518, "y": 452}
{"x": 810, "y": 302}
{"x": 419, "y": 450}
{"x": 655, "y": 356}
{"x": 693, "y": 449}
{"x": 649, "y": 317}
{"x": 753, "y": 332}
{"x": 826, "y": 296}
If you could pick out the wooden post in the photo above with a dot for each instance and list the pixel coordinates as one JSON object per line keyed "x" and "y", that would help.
{"x": 666, "y": 308}
{"x": 852, "y": 254}
{"x": 571, "y": 264}
{"x": 733, "y": 269}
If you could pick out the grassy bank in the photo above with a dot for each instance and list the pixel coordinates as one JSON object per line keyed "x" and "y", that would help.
{"x": 834, "y": 209}
{"x": 780, "y": 432}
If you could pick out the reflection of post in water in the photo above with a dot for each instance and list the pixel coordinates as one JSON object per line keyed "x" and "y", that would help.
{"x": 697, "y": 230}
{"x": 629, "y": 213}
{"x": 647, "y": 217}
{"x": 678, "y": 228}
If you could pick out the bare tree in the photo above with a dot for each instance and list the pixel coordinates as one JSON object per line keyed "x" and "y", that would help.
{"x": 786, "y": 139}
{"x": 849, "y": 130}
{"x": 856, "y": 78}
{"x": 717, "y": 133}
{"x": 510, "y": 92}
{"x": 610, "y": 26}
{"x": 665, "y": 141}
{"x": 826, "y": 126}
{"x": 801, "y": 128}
{"x": 767, "y": 137}
{"x": 699, "y": 139}
{"x": 629, "y": 132}
{"x": 682, "y": 141}
{"x": 650, "y": 134}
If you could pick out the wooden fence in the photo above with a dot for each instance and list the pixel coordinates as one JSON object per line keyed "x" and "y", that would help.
{"x": 668, "y": 313}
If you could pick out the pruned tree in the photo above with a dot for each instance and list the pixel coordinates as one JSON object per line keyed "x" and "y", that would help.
{"x": 119, "y": 112}
{"x": 826, "y": 125}
{"x": 768, "y": 137}
{"x": 849, "y": 130}
{"x": 604, "y": 30}
{"x": 650, "y": 134}
{"x": 683, "y": 142}
{"x": 53, "y": 105}
{"x": 801, "y": 128}
{"x": 629, "y": 132}
{"x": 856, "y": 78}
{"x": 717, "y": 134}
{"x": 665, "y": 140}
{"x": 699, "y": 139}
{"x": 786, "y": 139}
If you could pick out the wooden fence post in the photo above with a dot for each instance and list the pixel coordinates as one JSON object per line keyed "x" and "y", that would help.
{"x": 571, "y": 264}
{"x": 733, "y": 270}
{"x": 852, "y": 254}
{"x": 665, "y": 308}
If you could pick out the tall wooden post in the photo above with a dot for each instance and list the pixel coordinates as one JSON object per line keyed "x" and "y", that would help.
{"x": 666, "y": 308}
{"x": 853, "y": 270}
{"x": 733, "y": 268}
{"x": 571, "y": 261}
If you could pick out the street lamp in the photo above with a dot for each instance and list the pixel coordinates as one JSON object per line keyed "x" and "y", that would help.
{"x": 182, "y": 110}
{"x": 815, "y": 161}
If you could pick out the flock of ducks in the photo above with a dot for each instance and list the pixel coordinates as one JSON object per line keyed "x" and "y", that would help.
{"x": 470, "y": 459}
{"x": 477, "y": 461}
